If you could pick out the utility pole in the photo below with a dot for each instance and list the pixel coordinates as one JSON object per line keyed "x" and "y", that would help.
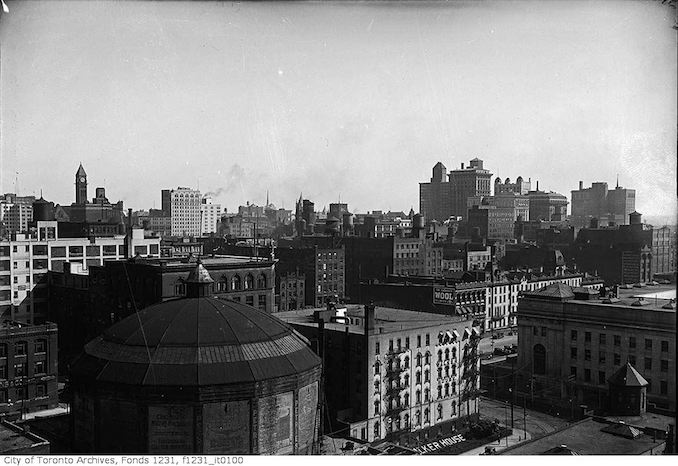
{"x": 512, "y": 357}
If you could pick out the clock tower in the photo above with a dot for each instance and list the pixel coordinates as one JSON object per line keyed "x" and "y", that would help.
{"x": 81, "y": 186}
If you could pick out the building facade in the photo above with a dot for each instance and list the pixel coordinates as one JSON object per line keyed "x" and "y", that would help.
{"x": 393, "y": 373}
{"x": 547, "y": 206}
{"x": 28, "y": 368}
{"x": 571, "y": 341}
{"x": 185, "y": 212}
{"x": 607, "y": 205}
{"x": 292, "y": 292}
{"x": 25, "y": 261}
{"x": 209, "y": 216}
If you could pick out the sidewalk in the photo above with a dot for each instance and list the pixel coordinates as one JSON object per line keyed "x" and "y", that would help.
{"x": 518, "y": 436}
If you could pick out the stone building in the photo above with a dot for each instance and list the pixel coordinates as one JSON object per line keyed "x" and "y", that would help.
{"x": 571, "y": 341}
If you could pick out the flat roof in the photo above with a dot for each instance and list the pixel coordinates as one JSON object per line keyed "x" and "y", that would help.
{"x": 12, "y": 438}
{"x": 586, "y": 438}
{"x": 388, "y": 319}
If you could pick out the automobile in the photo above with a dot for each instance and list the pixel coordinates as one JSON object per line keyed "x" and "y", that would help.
{"x": 500, "y": 352}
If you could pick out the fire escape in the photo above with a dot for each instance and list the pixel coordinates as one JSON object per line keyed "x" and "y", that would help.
{"x": 471, "y": 372}
{"x": 394, "y": 387}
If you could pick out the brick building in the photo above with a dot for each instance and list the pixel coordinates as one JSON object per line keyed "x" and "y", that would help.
{"x": 28, "y": 368}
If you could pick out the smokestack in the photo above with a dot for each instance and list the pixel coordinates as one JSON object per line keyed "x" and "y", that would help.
{"x": 128, "y": 237}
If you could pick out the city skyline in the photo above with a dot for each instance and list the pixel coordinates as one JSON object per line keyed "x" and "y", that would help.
{"x": 357, "y": 101}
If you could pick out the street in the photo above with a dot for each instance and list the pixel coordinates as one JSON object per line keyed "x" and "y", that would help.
{"x": 487, "y": 344}
{"x": 535, "y": 423}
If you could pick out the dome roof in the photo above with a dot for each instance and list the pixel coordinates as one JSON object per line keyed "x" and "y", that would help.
{"x": 195, "y": 341}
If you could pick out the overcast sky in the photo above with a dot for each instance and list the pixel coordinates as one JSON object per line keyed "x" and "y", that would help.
{"x": 357, "y": 100}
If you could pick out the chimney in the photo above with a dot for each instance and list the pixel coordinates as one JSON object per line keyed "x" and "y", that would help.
{"x": 370, "y": 311}
{"x": 581, "y": 185}
{"x": 462, "y": 165}
{"x": 537, "y": 185}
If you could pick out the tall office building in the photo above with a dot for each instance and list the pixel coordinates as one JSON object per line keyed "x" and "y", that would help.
{"x": 209, "y": 216}
{"x": 608, "y": 206}
{"x": 440, "y": 199}
{"x": 185, "y": 212}
{"x": 547, "y": 206}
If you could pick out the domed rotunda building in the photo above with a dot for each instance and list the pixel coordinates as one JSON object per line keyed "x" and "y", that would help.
{"x": 197, "y": 375}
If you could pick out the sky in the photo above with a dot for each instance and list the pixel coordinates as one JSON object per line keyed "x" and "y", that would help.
{"x": 352, "y": 100}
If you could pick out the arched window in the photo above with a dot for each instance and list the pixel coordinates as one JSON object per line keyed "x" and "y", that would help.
{"x": 249, "y": 281}
{"x": 427, "y": 358}
{"x": 397, "y": 423}
{"x": 454, "y": 353}
{"x": 407, "y": 362}
{"x": 377, "y": 367}
{"x": 447, "y": 371}
{"x": 261, "y": 281}
{"x": 454, "y": 408}
{"x": 454, "y": 387}
{"x": 447, "y": 354}
{"x": 426, "y": 415}
{"x": 376, "y": 408}
{"x": 447, "y": 389}
{"x": 440, "y": 355}
{"x": 440, "y": 391}
{"x": 426, "y": 395}
{"x": 376, "y": 429}
{"x": 417, "y": 417}
{"x": 407, "y": 380}
{"x": 539, "y": 359}
{"x": 222, "y": 284}
{"x": 427, "y": 376}
{"x": 440, "y": 411}
{"x": 407, "y": 399}
{"x": 407, "y": 420}
{"x": 440, "y": 372}
{"x": 418, "y": 397}
{"x": 236, "y": 283}
{"x": 418, "y": 359}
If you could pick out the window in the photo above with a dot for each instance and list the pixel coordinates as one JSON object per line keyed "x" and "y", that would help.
{"x": 418, "y": 376}
{"x": 573, "y": 371}
{"x": 440, "y": 391}
{"x": 648, "y": 344}
{"x": 376, "y": 348}
{"x": 648, "y": 364}
{"x": 3, "y": 372}
{"x": 236, "y": 283}
{"x": 602, "y": 339}
{"x": 39, "y": 367}
{"x": 632, "y": 342}
{"x": 418, "y": 397}
{"x": 20, "y": 369}
{"x": 249, "y": 281}
{"x": 21, "y": 393}
{"x": 664, "y": 365}
{"x": 418, "y": 341}
{"x": 587, "y": 337}
{"x": 632, "y": 359}
{"x": 418, "y": 359}
{"x": 407, "y": 342}
{"x": 665, "y": 346}
{"x": 587, "y": 355}
{"x": 427, "y": 394}
{"x": 601, "y": 357}
{"x": 539, "y": 359}
{"x": 427, "y": 358}
{"x": 617, "y": 359}
{"x": 617, "y": 340}
{"x": 535, "y": 331}
{"x": 41, "y": 346}
{"x": 249, "y": 300}
{"x": 454, "y": 408}
{"x": 428, "y": 340}
{"x": 20, "y": 348}
{"x": 377, "y": 368}
{"x": 601, "y": 377}
{"x": 573, "y": 335}
{"x": 376, "y": 408}
{"x": 649, "y": 384}
{"x": 663, "y": 387}
{"x": 427, "y": 376}
{"x": 587, "y": 375}
{"x": 398, "y": 342}
{"x": 440, "y": 355}
{"x": 261, "y": 281}
{"x": 262, "y": 301}
{"x": 543, "y": 331}
{"x": 41, "y": 389}
{"x": 573, "y": 353}
{"x": 407, "y": 362}
{"x": 390, "y": 346}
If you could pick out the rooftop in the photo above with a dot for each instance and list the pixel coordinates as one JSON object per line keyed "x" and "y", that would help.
{"x": 387, "y": 320}
{"x": 15, "y": 439}
{"x": 610, "y": 439}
